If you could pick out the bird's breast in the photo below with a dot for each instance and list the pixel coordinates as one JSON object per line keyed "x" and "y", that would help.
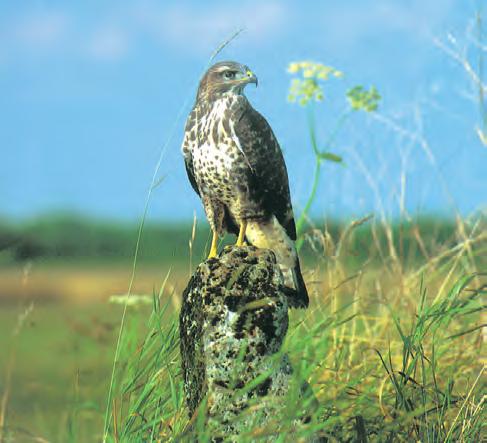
{"x": 218, "y": 158}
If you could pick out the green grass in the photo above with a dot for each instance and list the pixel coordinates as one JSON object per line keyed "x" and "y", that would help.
{"x": 404, "y": 377}
{"x": 60, "y": 367}
{"x": 392, "y": 342}
{"x": 389, "y": 347}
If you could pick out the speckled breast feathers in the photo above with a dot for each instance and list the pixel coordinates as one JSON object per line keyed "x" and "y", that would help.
{"x": 222, "y": 169}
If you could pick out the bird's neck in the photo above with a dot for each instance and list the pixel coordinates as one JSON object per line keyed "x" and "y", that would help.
{"x": 210, "y": 98}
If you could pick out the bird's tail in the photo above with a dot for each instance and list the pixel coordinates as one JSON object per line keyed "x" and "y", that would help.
{"x": 271, "y": 235}
{"x": 302, "y": 298}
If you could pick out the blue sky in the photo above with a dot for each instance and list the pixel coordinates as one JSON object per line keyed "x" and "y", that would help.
{"x": 92, "y": 91}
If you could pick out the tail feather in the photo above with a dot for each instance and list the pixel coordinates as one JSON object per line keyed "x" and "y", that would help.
{"x": 302, "y": 298}
{"x": 270, "y": 234}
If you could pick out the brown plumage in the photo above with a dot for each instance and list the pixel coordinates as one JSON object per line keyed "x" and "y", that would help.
{"x": 235, "y": 164}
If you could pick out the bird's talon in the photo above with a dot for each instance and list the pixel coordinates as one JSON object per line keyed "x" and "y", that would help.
{"x": 241, "y": 234}
{"x": 213, "y": 249}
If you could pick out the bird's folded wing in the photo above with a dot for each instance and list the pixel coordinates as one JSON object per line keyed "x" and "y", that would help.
{"x": 267, "y": 175}
{"x": 187, "y": 149}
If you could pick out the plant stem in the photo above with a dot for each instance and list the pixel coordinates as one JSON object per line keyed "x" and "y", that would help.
{"x": 316, "y": 178}
{"x": 302, "y": 217}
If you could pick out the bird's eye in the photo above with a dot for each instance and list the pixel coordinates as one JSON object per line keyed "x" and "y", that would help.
{"x": 230, "y": 75}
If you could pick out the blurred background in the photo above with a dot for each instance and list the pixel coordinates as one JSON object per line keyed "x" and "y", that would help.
{"x": 94, "y": 95}
{"x": 93, "y": 100}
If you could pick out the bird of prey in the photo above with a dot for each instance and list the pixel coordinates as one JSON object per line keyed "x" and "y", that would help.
{"x": 235, "y": 164}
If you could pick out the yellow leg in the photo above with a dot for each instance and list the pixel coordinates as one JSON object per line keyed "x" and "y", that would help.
{"x": 241, "y": 234}
{"x": 213, "y": 249}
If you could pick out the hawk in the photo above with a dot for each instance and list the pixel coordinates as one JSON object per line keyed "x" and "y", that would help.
{"x": 235, "y": 165}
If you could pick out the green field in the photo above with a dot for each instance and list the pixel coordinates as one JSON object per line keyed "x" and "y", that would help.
{"x": 58, "y": 362}
{"x": 409, "y": 294}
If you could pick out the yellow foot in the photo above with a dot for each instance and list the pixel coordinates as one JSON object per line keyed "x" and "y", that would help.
{"x": 213, "y": 250}
{"x": 241, "y": 234}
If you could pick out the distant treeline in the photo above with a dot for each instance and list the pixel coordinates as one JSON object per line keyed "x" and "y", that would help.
{"x": 62, "y": 237}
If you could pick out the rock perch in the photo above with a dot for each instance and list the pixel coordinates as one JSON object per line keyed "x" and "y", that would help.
{"x": 233, "y": 321}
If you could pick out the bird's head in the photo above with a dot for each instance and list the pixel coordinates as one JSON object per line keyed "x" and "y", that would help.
{"x": 223, "y": 78}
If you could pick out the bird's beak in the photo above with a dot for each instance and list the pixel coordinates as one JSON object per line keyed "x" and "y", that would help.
{"x": 251, "y": 78}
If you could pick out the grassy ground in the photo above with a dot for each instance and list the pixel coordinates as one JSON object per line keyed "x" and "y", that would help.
{"x": 57, "y": 357}
{"x": 391, "y": 347}
{"x": 392, "y": 341}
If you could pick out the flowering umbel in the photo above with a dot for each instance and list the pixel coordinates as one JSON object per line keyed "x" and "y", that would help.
{"x": 361, "y": 98}
{"x": 309, "y": 84}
